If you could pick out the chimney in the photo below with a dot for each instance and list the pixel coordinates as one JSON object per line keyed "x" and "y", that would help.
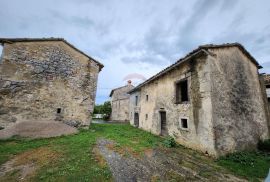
{"x": 129, "y": 82}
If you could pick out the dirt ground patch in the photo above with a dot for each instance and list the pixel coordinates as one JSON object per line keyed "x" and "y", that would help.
{"x": 23, "y": 166}
{"x": 160, "y": 165}
{"x": 37, "y": 129}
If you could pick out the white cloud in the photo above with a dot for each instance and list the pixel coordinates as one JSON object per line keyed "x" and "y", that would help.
{"x": 140, "y": 36}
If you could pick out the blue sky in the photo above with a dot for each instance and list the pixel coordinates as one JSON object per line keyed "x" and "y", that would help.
{"x": 140, "y": 37}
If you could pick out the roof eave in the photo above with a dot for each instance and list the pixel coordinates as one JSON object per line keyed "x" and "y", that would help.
{"x": 197, "y": 52}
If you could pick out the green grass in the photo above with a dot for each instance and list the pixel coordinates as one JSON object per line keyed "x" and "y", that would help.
{"x": 251, "y": 165}
{"x": 76, "y": 161}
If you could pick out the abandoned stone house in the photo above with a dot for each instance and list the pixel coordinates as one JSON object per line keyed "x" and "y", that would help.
{"x": 46, "y": 79}
{"x": 120, "y": 103}
{"x": 210, "y": 100}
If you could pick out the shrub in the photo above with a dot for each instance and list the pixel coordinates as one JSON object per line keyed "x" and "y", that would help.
{"x": 264, "y": 145}
{"x": 169, "y": 142}
{"x": 243, "y": 158}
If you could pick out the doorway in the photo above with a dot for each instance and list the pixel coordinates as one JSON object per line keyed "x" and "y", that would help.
{"x": 136, "y": 119}
{"x": 163, "y": 123}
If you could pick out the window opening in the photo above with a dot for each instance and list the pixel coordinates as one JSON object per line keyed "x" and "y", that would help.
{"x": 184, "y": 123}
{"x": 182, "y": 91}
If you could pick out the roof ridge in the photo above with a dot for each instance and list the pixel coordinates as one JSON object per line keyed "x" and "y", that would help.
{"x": 120, "y": 88}
{"x": 11, "y": 40}
{"x": 194, "y": 53}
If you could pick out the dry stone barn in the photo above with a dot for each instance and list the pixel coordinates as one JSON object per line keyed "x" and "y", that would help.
{"x": 211, "y": 100}
{"x": 120, "y": 103}
{"x": 46, "y": 79}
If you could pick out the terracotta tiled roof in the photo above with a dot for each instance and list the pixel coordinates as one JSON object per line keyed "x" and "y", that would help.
{"x": 197, "y": 52}
{"x": 11, "y": 40}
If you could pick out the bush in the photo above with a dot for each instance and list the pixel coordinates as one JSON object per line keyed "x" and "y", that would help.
{"x": 169, "y": 142}
{"x": 264, "y": 145}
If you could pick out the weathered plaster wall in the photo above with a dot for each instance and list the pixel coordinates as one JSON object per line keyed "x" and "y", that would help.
{"x": 199, "y": 134}
{"x": 238, "y": 111}
{"x": 120, "y": 104}
{"x": 39, "y": 77}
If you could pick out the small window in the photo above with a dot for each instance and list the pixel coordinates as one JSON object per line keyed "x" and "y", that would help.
{"x": 136, "y": 100}
{"x": 119, "y": 104}
{"x": 58, "y": 110}
{"x": 184, "y": 123}
{"x": 146, "y": 116}
{"x": 146, "y": 98}
{"x": 182, "y": 91}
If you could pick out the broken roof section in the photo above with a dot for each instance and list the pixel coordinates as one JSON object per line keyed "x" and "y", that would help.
{"x": 12, "y": 40}
{"x": 201, "y": 50}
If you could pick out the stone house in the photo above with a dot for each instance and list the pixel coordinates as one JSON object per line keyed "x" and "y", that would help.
{"x": 46, "y": 79}
{"x": 120, "y": 103}
{"x": 210, "y": 100}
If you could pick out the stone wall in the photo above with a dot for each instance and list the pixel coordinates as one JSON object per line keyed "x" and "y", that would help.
{"x": 120, "y": 104}
{"x": 238, "y": 109}
{"x": 39, "y": 79}
{"x": 225, "y": 112}
{"x": 161, "y": 97}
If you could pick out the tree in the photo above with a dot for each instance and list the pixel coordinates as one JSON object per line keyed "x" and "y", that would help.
{"x": 98, "y": 109}
{"x": 107, "y": 109}
{"x": 104, "y": 108}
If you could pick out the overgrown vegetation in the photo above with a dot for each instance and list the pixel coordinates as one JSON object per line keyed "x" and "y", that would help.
{"x": 169, "y": 142}
{"x": 248, "y": 164}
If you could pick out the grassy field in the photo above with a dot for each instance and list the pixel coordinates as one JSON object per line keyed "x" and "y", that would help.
{"x": 70, "y": 158}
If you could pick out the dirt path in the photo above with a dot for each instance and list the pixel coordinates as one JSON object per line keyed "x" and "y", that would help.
{"x": 160, "y": 164}
{"x": 37, "y": 129}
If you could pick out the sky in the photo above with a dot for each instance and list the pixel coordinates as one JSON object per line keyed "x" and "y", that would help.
{"x": 135, "y": 39}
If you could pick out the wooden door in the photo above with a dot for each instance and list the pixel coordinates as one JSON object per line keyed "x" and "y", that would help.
{"x": 163, "y": 122}
{"x": 136, "y": 119}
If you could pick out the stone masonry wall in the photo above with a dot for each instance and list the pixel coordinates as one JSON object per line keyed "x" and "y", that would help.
{"x": 238, "y": 110}
{"x": 39, "y": 78}
{"x": 120, "y": 104}
{"x": 161, "y": 97}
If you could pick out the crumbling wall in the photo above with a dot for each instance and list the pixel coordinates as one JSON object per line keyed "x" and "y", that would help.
{"x": 238, "y": 111}
{"x": 38, "y": 79}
